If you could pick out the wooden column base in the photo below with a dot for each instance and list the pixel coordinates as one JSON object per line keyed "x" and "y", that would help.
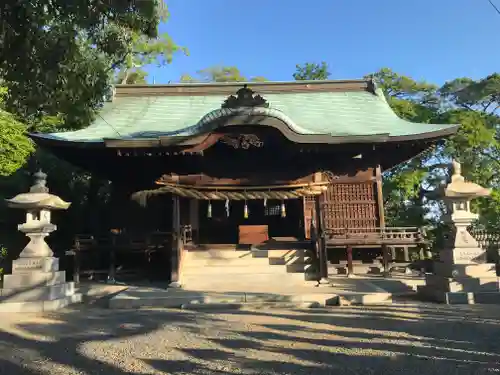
{"x": 385, "y": 260}
{"x": 323, "y": 282}
{"x": 350, "y": 268}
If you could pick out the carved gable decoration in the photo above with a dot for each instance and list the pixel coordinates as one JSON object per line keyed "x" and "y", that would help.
{"x": 245, "y": 97}
{"x": 243, "y": 141}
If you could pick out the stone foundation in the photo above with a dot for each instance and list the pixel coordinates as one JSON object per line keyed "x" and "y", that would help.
{"x": 462, "y": 284}
{"x": 36, "y": 285}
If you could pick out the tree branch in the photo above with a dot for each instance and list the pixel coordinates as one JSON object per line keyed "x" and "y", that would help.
{"x": 494, "y": 6}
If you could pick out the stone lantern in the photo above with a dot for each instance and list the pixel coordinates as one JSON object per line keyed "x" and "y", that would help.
{"x": 36, "y": 284}
{"x": 461, "y": 275}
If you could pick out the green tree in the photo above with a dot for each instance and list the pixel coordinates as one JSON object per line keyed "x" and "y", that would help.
{"x": 410, "y": 189}
{"x": 146, "y": 51}
{"x": 15, "y": 147}
{"x": 65, "y": 55}
{"x": 220, "y": 74}
{"x": 311, "y": 72}
{"x": 57, "y": 62}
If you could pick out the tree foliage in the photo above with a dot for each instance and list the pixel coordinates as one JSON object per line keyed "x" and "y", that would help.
{"x": 145, "y": 51}
{"x": 311, "y": 72}
{"x": 220, "y": 74}
{"x": 15, "y": 147}
{"x": 410, "y": 188}
{"x": 58, "y": 56}
{"x": 58, "y": 59}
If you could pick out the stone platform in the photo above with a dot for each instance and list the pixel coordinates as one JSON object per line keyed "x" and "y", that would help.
{"x": 36, "y": 285}
{"x": 462, "y": 284}
{"x": 355, "y": 291}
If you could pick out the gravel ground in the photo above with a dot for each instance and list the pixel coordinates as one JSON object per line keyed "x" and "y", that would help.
{"x": 405, "y": 338}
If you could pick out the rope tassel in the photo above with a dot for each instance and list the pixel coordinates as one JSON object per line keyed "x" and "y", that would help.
{"x": 245, "y": 211}
{"x": 283, "y": 209}
{"x": 209, "y": 210}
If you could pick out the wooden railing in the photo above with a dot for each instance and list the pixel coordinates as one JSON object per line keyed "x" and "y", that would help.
{"x": 391, "y": 236}
{"x": 485, "y": 238}
{"x": 112, "y": 254}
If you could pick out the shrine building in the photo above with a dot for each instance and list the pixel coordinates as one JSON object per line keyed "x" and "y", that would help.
{"x": 266, "y": 169}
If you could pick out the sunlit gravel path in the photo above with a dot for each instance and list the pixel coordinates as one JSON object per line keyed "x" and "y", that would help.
{"x": 398, "y": 339}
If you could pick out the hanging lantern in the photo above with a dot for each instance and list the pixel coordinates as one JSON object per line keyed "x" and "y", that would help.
{"x": 227, "y": 207}
{"x": 245, "y": 211}
{"x": 283, "y": 209}
{"x": 209, "y": 210}
{"x": 265, "y": 202}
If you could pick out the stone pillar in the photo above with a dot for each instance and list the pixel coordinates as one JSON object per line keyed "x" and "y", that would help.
{"x": 462, "y": 275}
{"x": 36, "y": 284}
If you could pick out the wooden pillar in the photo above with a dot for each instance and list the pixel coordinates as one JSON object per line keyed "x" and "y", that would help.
{"x": 381, "y": 216}
{"x": 194, "y": 219}
{"x": 76, "y": 261}
{"x": 393, "y": 253}
{"x": 385, "y": 259}
{"x": 112, "y": 259}
{"x": 350, "y": 267}
{"x": 323, "y": 259}
{"x": 380, "y": 196}
{"x": 176, "y": 243}
{"x": 406, "y": 254}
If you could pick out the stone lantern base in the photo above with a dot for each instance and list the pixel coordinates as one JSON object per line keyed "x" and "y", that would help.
{"x": 461, "y": 284}
{"x": 36, "y": 285}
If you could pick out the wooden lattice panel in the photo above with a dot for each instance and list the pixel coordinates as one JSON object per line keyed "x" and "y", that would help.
{"x": 351, "y": 205}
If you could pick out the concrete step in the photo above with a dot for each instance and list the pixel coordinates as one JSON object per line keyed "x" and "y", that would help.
{"x": 346, "y": 299}
{"x": 357, "y": 269}
{"x": 193, "y": 300}
{"x": 287, "y": 260}
{"x": 189, "y": 269}
{"x": 202, "y": 262}
{"x": 213, "y": 300}
{"x": 225, "y": 262}
{"x": 243, "y": 279}
{"x": 278, "y": 253}
{"x": 231, "y": 254}
{"x": 368, "y": 264}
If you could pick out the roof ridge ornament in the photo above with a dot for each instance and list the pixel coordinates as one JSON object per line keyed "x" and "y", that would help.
{"x": 373, "y": 84}
{"x": 40, "y": 185}
{"x": 245, "y": 97}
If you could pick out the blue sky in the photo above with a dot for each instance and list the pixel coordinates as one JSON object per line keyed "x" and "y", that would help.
{"x": 435, "y": 40}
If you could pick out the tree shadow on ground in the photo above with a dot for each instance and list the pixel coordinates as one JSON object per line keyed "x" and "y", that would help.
{"x": 416, "y": 339}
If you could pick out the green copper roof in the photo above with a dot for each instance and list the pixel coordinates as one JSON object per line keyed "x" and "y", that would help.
{"x": 337, "y": 113}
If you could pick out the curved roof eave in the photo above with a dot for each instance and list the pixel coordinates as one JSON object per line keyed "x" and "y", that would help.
{"x": 244, "y": 116}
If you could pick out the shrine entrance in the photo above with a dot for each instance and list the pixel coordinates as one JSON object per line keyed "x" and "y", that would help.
{"x": 231, "y": 222}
